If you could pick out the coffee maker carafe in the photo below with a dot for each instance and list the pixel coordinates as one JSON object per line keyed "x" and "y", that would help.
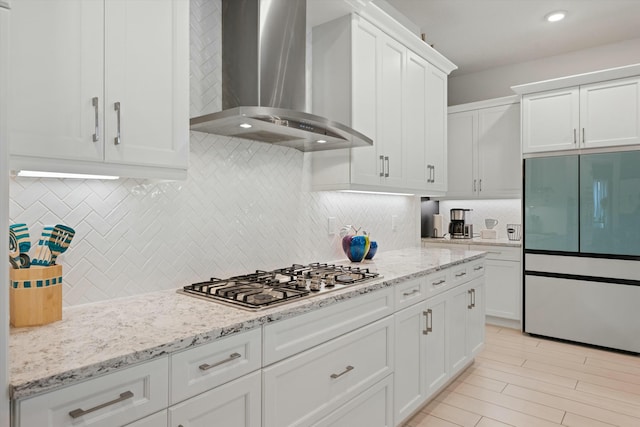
{"x": 458, "y": 228}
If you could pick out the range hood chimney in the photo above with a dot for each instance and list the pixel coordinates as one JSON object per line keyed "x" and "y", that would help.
{"x": 263, "y": 80}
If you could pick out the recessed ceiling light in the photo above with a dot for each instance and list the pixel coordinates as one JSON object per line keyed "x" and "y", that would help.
{"x": 245, "y": 125}
{"x": 556, "y": 16}
{"x": 321, "y": 141}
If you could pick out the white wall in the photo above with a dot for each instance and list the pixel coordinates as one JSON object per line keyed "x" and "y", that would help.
{"x": 496, "y": 82}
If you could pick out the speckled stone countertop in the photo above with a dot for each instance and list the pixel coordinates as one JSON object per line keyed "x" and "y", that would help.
{"x": 475, "y": 241}
{"x": 94, "y": 339}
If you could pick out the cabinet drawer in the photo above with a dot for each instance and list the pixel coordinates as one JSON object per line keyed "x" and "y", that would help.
{"x": 501, "y": 253}
{"x": 205, "y": 367}
{"x": 290, "y": 336}
{"x": 438, "y": 282}
{"x": 409, "y": 292}
{"x": 235, "y": 404}
{"x": 304, "y": 388}
{"x": 125, "y": 396}
{"x": 371, "y": 408}
{"x": 465, "y": 272}
{"x": 475, "y": 269}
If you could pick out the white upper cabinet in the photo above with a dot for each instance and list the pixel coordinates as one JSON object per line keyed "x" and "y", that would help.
{"x": 484, "y": 150}
{"x": 610, "y": 113}
{"x": 372, "y": 81}
{"x": 56, "y": 70}
{"x": 146, "y": 61}
{"x": 550, "y": 120}
{"x": 86, "y": 58}
{"x": 593, "y": 110}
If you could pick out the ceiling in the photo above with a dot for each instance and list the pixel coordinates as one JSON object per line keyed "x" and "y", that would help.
{"x": 481, "y": 34}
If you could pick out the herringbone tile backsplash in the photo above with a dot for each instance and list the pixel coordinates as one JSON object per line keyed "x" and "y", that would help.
{"x": 243, "y": 207}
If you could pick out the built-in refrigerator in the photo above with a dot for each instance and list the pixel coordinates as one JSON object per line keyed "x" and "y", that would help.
{"x": 582, "y": 248}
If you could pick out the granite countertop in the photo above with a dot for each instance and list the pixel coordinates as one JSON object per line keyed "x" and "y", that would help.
{"x": 97, "y": 338}
{"x": 475, "y": 241}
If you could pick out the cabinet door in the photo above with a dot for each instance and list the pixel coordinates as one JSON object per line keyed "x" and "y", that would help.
{"x": 55, "y": 70}
{"x": 610, "y": 113}
{"x": 390, "y": 110}
{"x": 462, "y": 137}
{"x": 436, "y": 369}
{"x": 417, "y": 170}
{"x": 499, "y": 158}
{"x": 550, "y": 120}
{"x": 365, "y": 166}
{"x": 460, "y": 301}
{"x": 147, "y": 75}
{"x": 502, "y": 280}
{"x": 236, "y": 404}
{"x": 410, "y": 356}
{"x": 475, "y": 318}
{"x": 436, "y": 119}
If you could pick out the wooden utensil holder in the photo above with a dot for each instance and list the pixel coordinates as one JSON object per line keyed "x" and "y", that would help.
{"x": 35, "y": 295}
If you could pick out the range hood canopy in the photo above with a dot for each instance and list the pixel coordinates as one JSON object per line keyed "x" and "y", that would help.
{"x": 263, "y": 80}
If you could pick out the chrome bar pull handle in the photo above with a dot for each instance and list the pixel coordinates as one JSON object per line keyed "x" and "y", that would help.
{"x": 575, "y": 139}
{"x": 461, "y": 274}
{"x": 206, "y": 366}
{"x": 347, "y": 369}
{"x": 76, "y": 413}
{"x": 433, "y": 177}
{"x": 474, "y": 185}
{"x": 470, "y": 306}
{"x": 477, "y": 268}
{"x": 439, "y": 282}
{"x": 116, "y": 106}
{"x": 473, "y": 300}
{"x": 584, "y": 141}
{"x": 480, "y": 185}
{"x": 386, "y": 159}
{"x": 406, "y": 294}
{"x": 381, "y": 165}
{"x": 96, "y": 134}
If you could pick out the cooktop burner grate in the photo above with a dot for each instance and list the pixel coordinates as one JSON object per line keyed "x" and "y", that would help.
{"x": 264, "y": 289}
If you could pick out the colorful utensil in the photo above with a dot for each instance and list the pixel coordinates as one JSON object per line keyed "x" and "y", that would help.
{"x": 59, "y": 242}
{"x": 14, "y": 251}
{"x": 43, "y": 253}
{"x": 21, "y": 232}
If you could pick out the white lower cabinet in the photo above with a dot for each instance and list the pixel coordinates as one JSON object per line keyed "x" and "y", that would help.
{"x": 503, "y": 281}
{"x": 306, "y": 387}
{"x": 437, "y": 338}
{"x": 421, "y": 354}
{"x": 366, "y": 361}
{"x": 467, "y": 323}
{"x": 234, "y": 404}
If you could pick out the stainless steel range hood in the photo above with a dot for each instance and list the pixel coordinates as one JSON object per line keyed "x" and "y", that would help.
{"x": 263, "y": 80}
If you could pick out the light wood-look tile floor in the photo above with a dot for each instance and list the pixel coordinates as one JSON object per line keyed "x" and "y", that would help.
{"x": 526, "y": 381}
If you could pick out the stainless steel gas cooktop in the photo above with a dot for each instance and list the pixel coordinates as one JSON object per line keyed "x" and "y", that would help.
{"x": 264, "y": 289}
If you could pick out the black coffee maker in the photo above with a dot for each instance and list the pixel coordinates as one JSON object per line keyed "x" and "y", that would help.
{"x": 458, "y": 228}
